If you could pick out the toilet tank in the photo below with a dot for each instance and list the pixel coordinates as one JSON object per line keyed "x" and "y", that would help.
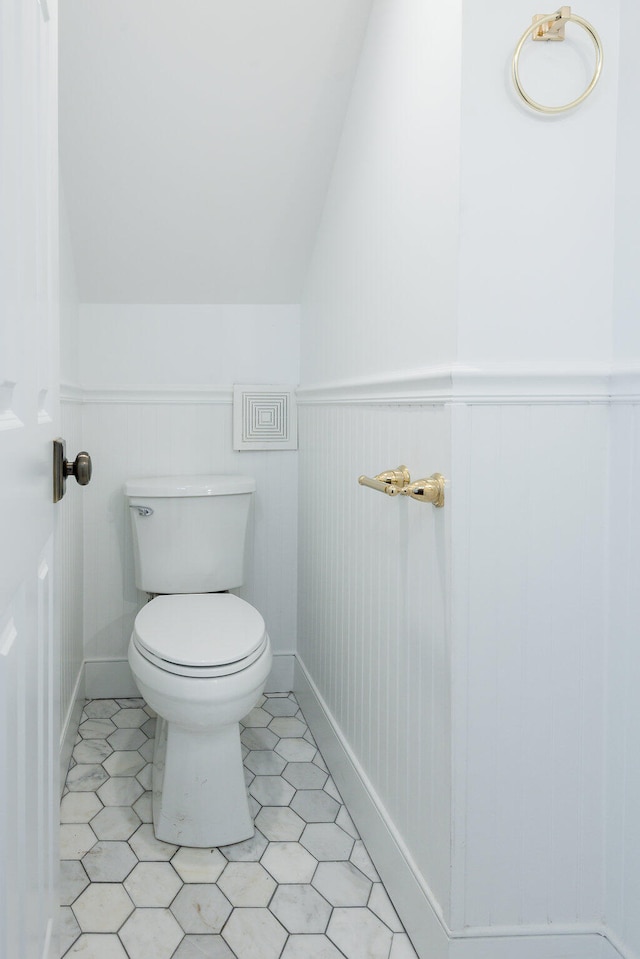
{"x": 189, "y": 532}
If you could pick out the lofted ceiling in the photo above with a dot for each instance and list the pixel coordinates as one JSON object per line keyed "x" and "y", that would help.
{"x": 197, "y": 139}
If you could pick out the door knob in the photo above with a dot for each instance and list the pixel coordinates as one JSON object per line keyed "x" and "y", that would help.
{"x": 80, "y": 468}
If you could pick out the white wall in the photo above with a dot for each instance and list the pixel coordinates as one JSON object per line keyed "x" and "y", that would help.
{"x": 623, "y": 661}
{"x": 537, "y": 192}
{"x": 467, "y": 657}
{"x": 133, "y": 345}
{"x": 69, "y": 306}
{"x": 381, "y": 301}
{"x": 508, "y": 336}
{"x": 199, "y": 139}
{"x": 381, "y": 292}
{"x": 157, "y": 400}
{"x": 530, "y": 534}
{"x": 626, "y": 338}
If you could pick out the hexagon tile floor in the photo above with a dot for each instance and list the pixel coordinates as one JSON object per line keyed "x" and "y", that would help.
{"x": 302, "y": 888}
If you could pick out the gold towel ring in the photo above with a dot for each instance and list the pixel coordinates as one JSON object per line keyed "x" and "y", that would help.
{"x": 549, "y": 18}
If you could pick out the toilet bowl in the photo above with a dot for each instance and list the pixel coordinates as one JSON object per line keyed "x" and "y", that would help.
{"x": 199, "y": 655}
{"x": 200, "y": 688}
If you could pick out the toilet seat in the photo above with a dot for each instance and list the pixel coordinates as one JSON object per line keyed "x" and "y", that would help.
{"x": 200, "y": 634}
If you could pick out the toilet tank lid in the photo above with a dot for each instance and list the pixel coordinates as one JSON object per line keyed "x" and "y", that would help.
{"x": 219, "y": 484}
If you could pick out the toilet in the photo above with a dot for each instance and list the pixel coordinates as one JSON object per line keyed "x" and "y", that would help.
{"x": 200, "y": 655}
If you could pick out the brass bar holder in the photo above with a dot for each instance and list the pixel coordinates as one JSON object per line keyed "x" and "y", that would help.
{"x": 398, "y": 483}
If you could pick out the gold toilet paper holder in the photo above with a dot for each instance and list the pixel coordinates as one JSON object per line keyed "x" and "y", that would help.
{"x": 398, "y": 483}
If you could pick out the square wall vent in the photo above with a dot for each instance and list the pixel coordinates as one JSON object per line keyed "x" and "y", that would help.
{"x": 264, "y": 418}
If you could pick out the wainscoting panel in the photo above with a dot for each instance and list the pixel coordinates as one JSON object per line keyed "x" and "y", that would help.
{"x": 373, "y": 593}
{"x": 69, "y": 587}
{"x": 623, "y": 669}
{"x": 529, "y": 623}
{"x": 461, "y": 652}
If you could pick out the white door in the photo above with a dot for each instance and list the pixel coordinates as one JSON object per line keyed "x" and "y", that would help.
{"x": 28, "y": 421}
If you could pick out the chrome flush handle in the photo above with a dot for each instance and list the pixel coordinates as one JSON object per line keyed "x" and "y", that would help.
{"x": 142, "y": 510}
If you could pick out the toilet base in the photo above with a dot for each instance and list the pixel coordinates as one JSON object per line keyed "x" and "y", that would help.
{"x": 199, "y": 792}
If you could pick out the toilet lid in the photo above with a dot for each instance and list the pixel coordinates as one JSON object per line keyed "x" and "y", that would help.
{"x": 200, "y": 630}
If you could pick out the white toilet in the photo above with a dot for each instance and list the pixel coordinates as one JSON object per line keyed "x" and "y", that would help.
{"x": 200, "y": 656}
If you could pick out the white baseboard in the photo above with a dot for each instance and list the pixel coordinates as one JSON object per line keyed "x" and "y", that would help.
{"x": 614, "y": 948}
{"x": 569, "y": 942}
{"x": 414, "y": 901}
{"x": 280, "y": 678}
{"x": 109, "y": 679}
{"x": 69, "y": 730}
{"x": 51, "y": 947}
{"x": 589, "y": 945}
{"x": 112, "y": 679}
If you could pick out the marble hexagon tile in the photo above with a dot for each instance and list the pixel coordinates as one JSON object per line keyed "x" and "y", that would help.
{"x": 303, "y": 887}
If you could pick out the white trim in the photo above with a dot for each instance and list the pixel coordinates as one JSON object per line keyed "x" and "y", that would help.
{"x": 532, "y": 385}
{"x": 69, "y": 730}
{"x": 547, "y": 945}
{"x": 170, "y": 394}
{"x": 280, "y": 679}
{"x": 415, "y": 902}
{"x": 614, "y": 948}
{"x": 420, "y": 386}
{"x": 625, "y": 385}
{"x": 70, "y": 393}
{"x": 110, "y": 677}
{"x": 50, "y": 949}
{"x": 541, "y": 384}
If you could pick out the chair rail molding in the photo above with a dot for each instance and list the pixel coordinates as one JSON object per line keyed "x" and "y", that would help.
{"x": 539, "y": 383}
{"x": 149, "y": 395}
{"x": 566, "y": 383}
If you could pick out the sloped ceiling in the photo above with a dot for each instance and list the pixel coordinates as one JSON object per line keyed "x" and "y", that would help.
{"x": 196, "y": 142}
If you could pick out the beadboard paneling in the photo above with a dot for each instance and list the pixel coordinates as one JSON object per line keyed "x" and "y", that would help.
{"x": 374, "y": 582}
{"x": 146, "y": 439}
{"x": 69, "y": 567}
{"x": 472, "y": 699}
{"x": 529, "y": 624}
{"x": 623, "y": 666}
